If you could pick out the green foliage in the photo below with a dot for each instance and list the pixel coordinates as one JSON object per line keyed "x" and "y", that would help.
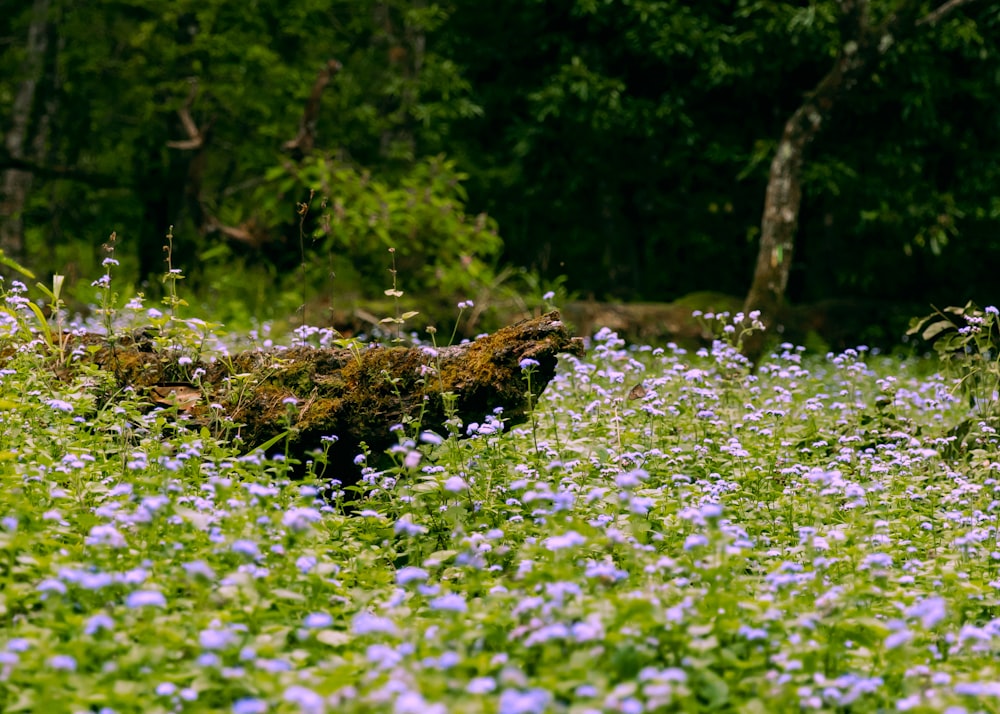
{"x": 438, "y": 248}
{"x": 623, "y": 164}
{"x": 967, "y": 340}
{"x": 786, "y": 540}
{"x": 622, "y": 143}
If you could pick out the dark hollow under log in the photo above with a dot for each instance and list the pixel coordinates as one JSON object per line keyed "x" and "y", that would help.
{"x": 302, "y": 394}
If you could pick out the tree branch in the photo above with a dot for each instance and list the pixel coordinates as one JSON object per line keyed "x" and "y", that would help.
{"x": 67, "y": 173}
{"x": 304, "y": 141}
{"x": 942, "y": 11}
{"x": 196, "y": 138}
{"x": 248, "y": 232}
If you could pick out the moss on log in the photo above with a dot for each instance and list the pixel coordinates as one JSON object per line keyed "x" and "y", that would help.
{"x": 355, "y": 395}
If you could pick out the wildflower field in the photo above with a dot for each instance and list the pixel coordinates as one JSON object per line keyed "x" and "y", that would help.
{"x": 670, "y": 532}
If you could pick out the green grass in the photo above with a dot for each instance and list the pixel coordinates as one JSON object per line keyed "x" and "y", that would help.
{"x": 785, "y": 541}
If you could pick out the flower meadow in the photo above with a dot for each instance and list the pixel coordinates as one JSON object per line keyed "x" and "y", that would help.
{"x": 800, "y": 537}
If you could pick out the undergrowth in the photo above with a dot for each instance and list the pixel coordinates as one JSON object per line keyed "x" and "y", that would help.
{"x": 671, "y": 532}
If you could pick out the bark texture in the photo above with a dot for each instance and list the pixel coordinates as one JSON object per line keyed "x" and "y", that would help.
{"x": 355, "y": 395}
{"x": 863, "y": 41}
{"x": 15, "y": 183}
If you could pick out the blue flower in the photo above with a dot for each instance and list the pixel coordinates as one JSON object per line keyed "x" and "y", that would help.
{"x": 407, "y": 527}
{"x": 366, "y": 623}
{"x": 212, "y": 639}
{"x": 299, "y": 519}
{"x": 452, "y": 602}
{"x": 316, "y": 620}
{"x": 63, "y": 662}
{"x": 245, "y": 547}
{"x": 566, "y": 540}
{"x": 410, "y": 573}
{"x": 145, "y": 598}
{"x": 249, "y": 706}
{"x": 481, "y": 685}
{"x": 97, "y": 623}
{"x": 309, "y": 701}
{"x": 51, "y": 585}
{"x": 60, "y": 405}
{"x": 531, "y": 701}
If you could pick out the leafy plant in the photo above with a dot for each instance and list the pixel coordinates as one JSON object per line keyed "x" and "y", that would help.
{"x": 420, "y": 216}
{"x": 967, "y": 340}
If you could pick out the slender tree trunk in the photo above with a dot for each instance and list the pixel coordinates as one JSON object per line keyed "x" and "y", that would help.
{"x": 15, "y": 184}
{"x": 781, "y": 214}
{"x": 862, "y": 43}
{"x": 406, "y": 48}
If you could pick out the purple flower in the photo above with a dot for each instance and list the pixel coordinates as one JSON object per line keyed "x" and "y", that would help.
{"x": 97, "y": 623}
{"x": 145, "y": 598}
{"x": 299, "y": 519}
{"x": 249, "y": 706}
{"x": 305, "y": 563}
{"x": 199, "y": 568}
{"x": 481, "y": 685}
{"x": 412, "y": 459}
{"x": 105, "y": 535}
{"x": 452, "y": 602}
{"x": 407, "y": 527}
{"x": 631, "y": 479}
{"x": 60, "y": 405}
{"x": 930, "y": 611}
{"x": 366, "y": 623}
{"x": 695, "y": 540}
{"x": 309, "y": 702}
{"x": 568, "y": 539}
{"x": 245, "y": 547}
{"x": 527, "y": 363}
{"x": 898, "y": 638}
{"x": 410, "y": 573}
{"x": 316, "y": 620}
{"x": 63, "y": 662}
{"x": 383, "y": 656}
{"x": 51, "y": 585}
{"x": 212, "y": 639}
{"x": 531, "y": 701}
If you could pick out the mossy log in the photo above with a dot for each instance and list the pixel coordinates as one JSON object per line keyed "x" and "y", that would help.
{"x": 356, "y": 395}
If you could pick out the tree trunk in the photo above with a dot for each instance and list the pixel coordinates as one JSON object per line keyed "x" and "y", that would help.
{"x": 15, "y": 183}
{"x": 862, "y": 43}
{"x": 406, "y": 46}
{"x": 291, "y": 399}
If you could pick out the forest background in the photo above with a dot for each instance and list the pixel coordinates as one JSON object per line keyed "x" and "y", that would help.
{"x": 609, "y": 149}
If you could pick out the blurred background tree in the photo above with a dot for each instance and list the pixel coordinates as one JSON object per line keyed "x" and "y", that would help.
{"x": 624, "y": 144}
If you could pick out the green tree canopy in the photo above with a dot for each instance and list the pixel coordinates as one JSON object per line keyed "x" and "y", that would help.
{"x": 623, "y": 143}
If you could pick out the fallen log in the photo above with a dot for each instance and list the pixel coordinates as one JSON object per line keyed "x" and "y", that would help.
{"x": 299, "y": 395}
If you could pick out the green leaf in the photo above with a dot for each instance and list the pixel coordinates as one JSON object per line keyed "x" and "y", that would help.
{"x": 14, "y": 265}
{"x": 936, "y": 329}
{"x": 271, "y": 442}
{"x": 714, "y": 689}
{"x": 43, "y": 324}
